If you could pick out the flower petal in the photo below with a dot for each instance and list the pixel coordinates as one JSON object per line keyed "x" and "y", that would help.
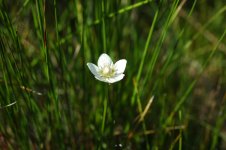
{"x": 110, "y": 80}
{"x": 104, "y": 60}
{"x": 93, "y": 68}
{"x": 115, "y": 78}
{"x": 120, "y": 66}
{"x": 101, "y": 79}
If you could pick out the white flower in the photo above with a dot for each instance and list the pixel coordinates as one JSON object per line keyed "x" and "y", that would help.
{"x": 106, "y": 70}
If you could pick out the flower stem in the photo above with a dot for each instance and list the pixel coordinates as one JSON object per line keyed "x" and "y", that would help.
{"x": 105, "y": 111}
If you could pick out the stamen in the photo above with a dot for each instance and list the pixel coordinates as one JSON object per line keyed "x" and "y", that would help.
{"x": 107, "y": 71}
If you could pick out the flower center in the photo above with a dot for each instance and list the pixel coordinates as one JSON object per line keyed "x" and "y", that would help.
{"x": 107, "y": 71}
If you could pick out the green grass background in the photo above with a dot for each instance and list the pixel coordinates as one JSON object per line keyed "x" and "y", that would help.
{"x": 175, "y": 51}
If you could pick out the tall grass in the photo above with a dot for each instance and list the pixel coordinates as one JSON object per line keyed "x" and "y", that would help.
{"x": 173, "y": 94}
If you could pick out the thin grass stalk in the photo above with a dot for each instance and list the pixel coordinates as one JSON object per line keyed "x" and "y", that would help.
{"x": 172, "y": 52}
{"x": 180, "y": 138}
{"x": 121, "y": 11}
{"x": 144, "y": 54}
{"x": 216, "y": 130}
{"x": 157, "y": 49}
{"x": 212, "y": 19}
{"x": 103, "y": 26}
{"x": 139, "y": 105}
{"x": 83, "y": 42}
{"x": 105, "y": 110}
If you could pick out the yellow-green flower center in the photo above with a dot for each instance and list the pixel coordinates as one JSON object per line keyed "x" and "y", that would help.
{"x": 107, "y": 71}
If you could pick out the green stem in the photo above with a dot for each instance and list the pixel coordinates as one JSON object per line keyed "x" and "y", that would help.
{"x": 105, "y": 111}
{"x": 103, "y": 26}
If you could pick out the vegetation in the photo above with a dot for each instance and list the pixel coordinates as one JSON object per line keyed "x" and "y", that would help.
{"x": 173, "y": 93}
